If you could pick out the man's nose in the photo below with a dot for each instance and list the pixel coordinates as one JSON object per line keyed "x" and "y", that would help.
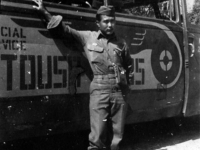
{"x": 109, "y": 24}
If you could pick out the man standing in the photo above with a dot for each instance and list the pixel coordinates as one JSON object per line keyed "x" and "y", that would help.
{"x": 110, "y": 62}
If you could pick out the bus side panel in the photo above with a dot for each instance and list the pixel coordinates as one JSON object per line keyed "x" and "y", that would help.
{"x": 193, "y": 106}
{"x": 43, "y": 84}
{"x": 157, "y": 85}
{"x": 33, "y": 116}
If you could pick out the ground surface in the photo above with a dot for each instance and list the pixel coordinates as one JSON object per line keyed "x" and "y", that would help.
{"x": 168, "y": 134}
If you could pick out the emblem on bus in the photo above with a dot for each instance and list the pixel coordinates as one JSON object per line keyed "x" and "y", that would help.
{"x": 166, "y": 60}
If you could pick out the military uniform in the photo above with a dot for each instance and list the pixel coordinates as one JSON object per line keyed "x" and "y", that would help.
{"x": 107, "y": 104}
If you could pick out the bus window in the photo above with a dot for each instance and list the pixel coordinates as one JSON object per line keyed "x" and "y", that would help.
{"x": 76, "y": 3}
{"x": 159, "y": 9}
{"x": 172, "y": 10}
{"x": 141, "y": 10}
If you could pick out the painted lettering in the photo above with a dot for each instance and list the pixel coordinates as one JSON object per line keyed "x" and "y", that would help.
{"x": 48, "y": 85}
{"x": 41, "y": 73}
{"x": 58, "y": 71}
{"x": 13, "y": 44}
{"x": 40, "y": 83}
{"x": 4, "y": 32}
{"x": 6, "y": 43}
{"x": 23, "y": 85}
{"x": 15, "y": 33}
{"x": 139, "y": 72}
{"x": 12, "y": 32}
{"x": 13, "y": 38}
{"x": 9, "y": 59}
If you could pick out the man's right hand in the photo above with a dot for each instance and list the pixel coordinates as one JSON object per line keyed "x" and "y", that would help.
{"x": 39, "y": 6}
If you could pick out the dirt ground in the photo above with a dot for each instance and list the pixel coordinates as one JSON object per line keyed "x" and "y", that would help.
{"x": 168, "y": 134}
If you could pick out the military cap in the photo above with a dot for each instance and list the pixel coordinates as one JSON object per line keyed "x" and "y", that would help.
{"x": 106, "y": 10}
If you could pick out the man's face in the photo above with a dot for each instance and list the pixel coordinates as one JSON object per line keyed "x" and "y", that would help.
{"x": 106, "y": 24}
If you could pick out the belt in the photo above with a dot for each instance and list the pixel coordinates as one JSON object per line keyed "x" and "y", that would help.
{"x": 104, "y": 76}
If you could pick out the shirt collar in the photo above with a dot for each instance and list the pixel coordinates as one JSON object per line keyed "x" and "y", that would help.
{"x": 101, "y": 35}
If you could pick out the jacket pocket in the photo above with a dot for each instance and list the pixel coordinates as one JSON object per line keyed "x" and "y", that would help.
{"x": 96, "y": 53}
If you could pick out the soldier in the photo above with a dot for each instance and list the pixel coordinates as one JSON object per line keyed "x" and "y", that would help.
{"x": 110, "y": 62}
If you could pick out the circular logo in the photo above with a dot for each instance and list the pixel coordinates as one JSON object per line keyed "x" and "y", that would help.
{"x": 165, "y": 61}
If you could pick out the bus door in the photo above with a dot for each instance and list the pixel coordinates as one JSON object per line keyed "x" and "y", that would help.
{"x": 192, "y": 101}
{"x": 156, "y": 45}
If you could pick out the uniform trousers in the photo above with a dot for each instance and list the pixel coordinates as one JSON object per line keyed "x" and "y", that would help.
{"x": 107, "y": 113}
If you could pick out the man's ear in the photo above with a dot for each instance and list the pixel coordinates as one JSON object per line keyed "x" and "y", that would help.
{"x": 97, "y": 22}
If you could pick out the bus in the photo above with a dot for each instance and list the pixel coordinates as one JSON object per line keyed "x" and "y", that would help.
{"x": 44, "y": 80}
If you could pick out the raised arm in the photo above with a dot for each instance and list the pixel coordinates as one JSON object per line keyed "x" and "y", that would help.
{"x": 41, "y": 8}
{"x": 56, "y": 24}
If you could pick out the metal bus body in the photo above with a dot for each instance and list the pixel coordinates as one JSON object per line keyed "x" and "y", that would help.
{"x": 44, "y": 80}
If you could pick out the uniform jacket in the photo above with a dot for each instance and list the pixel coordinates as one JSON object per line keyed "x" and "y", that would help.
{"x": 100, "y": 51}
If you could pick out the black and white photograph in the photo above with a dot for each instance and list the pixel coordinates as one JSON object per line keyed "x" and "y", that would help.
{"x": 99, "y": 74}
